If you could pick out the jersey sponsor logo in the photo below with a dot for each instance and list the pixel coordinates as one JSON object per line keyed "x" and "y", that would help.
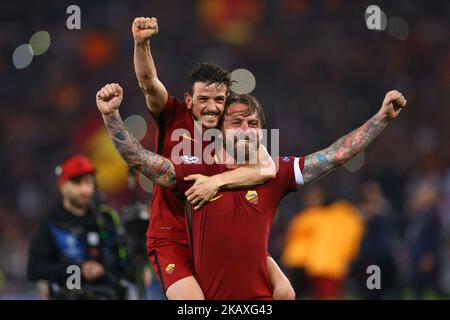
{"x": 170, "y": 267}
{"x": 189, "y": 159}
{"x": 252, "y": 196}
{"x": 215, "y": 198}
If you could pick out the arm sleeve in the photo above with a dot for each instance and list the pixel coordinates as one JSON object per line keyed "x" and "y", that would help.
{"x": 44, "y": 262}
{"x": 180, "y": 174}
{"x": 299, "y": 164}
{"x": 289, "y": 173}
{"x": 171, "y": 109}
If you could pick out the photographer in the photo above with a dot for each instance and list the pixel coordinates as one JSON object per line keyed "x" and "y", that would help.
{"x": 79, "y": 232}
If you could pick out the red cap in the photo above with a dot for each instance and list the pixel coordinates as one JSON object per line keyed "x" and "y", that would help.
{"x": 75, "y": 166}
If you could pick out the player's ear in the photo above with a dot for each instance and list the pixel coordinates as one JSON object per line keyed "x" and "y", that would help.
{"x": 188, "y": 100}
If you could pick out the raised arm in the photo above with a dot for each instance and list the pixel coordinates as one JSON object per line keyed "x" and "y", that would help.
{"x": 157, "y": 168}
{"x": 205, "y": 188}
{"x": 155, "y": 92}
{"x": 324, "y": 161}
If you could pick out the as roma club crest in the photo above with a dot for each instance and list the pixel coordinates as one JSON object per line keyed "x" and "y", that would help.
{"x": 252, "y": 196}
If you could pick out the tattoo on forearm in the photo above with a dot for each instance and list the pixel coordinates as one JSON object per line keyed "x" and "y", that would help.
{"x": 157, "y": 168}
{"x": 322, "y": 162}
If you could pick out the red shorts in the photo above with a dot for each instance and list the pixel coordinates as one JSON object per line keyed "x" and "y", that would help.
{"x": 171, "y": 260}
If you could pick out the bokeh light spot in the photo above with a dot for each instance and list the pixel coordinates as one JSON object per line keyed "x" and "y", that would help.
{"x": 356, "y": 163}
{"x": 40, "y": 42}
{"x": 145, "y": 183}
{"x": 398, "y": 28}
{"x": 22, "y": 56}
{"x": 137, "y": 126}
{"x": 245, "y": 81}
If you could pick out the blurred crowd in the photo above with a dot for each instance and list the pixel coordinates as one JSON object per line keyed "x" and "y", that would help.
{"x": 319, "y": 74}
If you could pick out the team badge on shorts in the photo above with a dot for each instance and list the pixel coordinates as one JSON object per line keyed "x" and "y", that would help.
{"x": 252, "y": 196}
{"x": 170, "y": 268}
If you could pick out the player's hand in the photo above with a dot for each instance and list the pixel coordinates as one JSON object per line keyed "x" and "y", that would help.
{"x": 203, "y": 189}
{"x": 109, "y": 98}
{"x": 393, "y": 103}
{"x": 144, "y": 28}
{"x": 92, "y": 270}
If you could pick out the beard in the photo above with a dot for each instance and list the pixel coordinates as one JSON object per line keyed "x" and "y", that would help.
{"x": 79, "y": 202}
{"x": 246, "y": 149}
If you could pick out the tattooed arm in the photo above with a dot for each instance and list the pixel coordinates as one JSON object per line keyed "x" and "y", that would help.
{"x": 157, "y": 168}
{"x": 324, "y": 161}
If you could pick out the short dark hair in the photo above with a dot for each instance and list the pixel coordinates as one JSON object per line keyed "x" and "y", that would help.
{"x": 210, "y": 73}
{"x": 249, "y": 100}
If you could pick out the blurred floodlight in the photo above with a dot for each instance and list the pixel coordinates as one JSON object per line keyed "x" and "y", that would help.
{"x": 145, "y": 183}
{"x": 40, "y": 42}
{"x": 137, "y": 126}
{"x": 356, "y": 163}
{"x": 245, "y": 81}
{"x": 398, "y": 28}
{"x": 22, "y": 56}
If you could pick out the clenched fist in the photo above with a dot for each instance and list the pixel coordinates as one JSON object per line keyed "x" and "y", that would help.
{"x": 109, "y": 98}
{"x": 393, "y": 103}
{"x": 144, "y": 28}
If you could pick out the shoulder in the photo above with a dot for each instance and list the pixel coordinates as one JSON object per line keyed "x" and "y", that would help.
{"x": 57, "y": 213}
{"x": 344, "y": 205}
{"x": 109, "y": 213}
{"x": 284, "y": 163}
{"x": 290, "y": 166}
{"x": 346, "y": 210}
{"x": 174, "y": 109}
{"x": 173, "y": 102}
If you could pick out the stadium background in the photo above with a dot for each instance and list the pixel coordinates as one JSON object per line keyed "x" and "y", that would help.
{"x": 319, "y": 74}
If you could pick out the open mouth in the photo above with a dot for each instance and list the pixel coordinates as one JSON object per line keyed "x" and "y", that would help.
{"x": 210, "y": 115}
